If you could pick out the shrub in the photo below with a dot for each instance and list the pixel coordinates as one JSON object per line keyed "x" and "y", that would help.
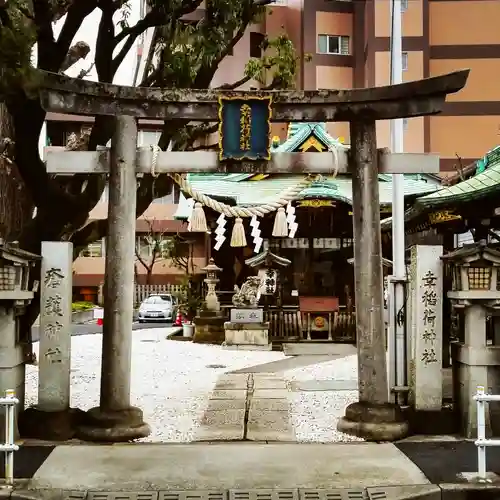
{"x": 82, "y": 306}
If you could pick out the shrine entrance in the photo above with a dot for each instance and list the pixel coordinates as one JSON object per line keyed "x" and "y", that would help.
{"x": 247, "y": 151}
{"x": 319, "y": 254}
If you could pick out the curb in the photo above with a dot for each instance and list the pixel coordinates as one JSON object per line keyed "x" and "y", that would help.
{"x": 423, "y": 492}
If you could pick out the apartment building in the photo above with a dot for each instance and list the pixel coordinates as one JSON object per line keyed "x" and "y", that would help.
{"x": 349, "y": 43}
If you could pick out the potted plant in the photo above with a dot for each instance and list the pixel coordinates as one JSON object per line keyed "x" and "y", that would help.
{"x": 189, "y": 301}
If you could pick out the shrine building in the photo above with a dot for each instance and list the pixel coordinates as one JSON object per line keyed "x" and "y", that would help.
{"x": 321, "y": 250}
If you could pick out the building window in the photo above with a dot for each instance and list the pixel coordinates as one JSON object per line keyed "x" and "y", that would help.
{"x": 404, "y": 61}
{"x": 256, "y": 40}
{"x": 333, "y": 44}
{"x": 149, "y": 137}
{"x": 405, "y": 124}
{"x": 164, "y": 200}
{"x": 404, "y": 5}
{"x": 143, "y": 246}
{"x": 170, "y": 198}
{"x": 156, "y": 245}
{"x": 93, "y": 250}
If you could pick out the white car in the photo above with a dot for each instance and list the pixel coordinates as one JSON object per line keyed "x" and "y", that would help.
{"x": 157, "y": 308}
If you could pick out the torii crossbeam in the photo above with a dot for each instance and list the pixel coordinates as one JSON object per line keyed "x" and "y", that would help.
{"x": 373, "y": 417}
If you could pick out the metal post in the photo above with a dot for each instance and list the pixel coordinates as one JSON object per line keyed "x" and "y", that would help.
{"x": 397, "y": 288}
{"x": 481, "y": 434}
{"x": 9, "y": 447}
{"x": 370, "y": 330}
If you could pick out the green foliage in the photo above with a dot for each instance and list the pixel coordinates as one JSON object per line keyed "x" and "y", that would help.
{"x": 125, "y": 12}
{"x": 190, "y": 52}
{"x": 189, "y": 297}
{"x": 278, "y": 65}
{"x": 17, "y": 39}
{"x": 82, "y": 306}
{"x": 179, "y": 250}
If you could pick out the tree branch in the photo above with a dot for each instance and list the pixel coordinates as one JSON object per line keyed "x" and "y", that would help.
{"x": 26, "y": 13}
{"x": 208, "y": 68}
{"x": 149, "y": 188}
{"x": 77, "y": 12}
{"x": 42, "y": 13}
{"x": 236, "y": 84}
{"x": 210, "y": 147}
{"x": 141, "y": 260}
{"x": 105, "y": 44}
{"x": 195, "y": 133}
{"x": 156, "y": 17}
{"x": 78, "y": 51}
{"x": 118, "y": 59}
{"x": 85, "y": 72}
{"x": 60, "y": 9}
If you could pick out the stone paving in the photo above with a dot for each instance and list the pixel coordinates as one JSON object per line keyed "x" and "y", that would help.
{"x": 247, "y": 406}
{"x": 222, "y": 466}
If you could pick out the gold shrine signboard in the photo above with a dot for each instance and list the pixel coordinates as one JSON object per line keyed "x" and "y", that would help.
{"x": 443, "y": 216}
{"x": 315, "y": 203}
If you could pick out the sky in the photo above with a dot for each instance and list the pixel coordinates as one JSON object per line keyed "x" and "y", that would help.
{"x": 88, "y": 34}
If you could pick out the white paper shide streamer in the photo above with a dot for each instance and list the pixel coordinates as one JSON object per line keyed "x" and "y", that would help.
{"x": 190, "y": 205}
{"x": 220, "y": 230}
{"x": 290, "y": 218}
{"x": 257, "y": 240}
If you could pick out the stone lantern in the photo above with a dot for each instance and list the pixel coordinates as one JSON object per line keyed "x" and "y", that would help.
{"x": 15, "y": 265}
{"x": 209, "y": 324}
{"x": 211, "y": 301}
{"x": 476, "y": 293}
{"x": 15, "y": 295}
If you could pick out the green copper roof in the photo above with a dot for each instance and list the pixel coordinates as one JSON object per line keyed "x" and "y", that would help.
{"x": 490, "y": 158}
{"x": 300, "y": 132}
{"x": 484, "y": 184}
{"x": 247, "y": 192}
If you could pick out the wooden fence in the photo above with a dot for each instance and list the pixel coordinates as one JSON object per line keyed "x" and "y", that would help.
{"x": 289, "y": 324}
{"x": 144, "y": 291}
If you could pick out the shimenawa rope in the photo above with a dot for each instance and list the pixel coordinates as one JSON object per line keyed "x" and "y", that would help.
{"x": 283, "y": 199}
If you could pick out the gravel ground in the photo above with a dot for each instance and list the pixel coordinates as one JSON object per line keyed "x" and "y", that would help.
{"x": 314, "y": 414}
{"x": 172, "y": 381}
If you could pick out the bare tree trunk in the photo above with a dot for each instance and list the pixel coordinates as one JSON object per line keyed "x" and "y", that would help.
{"x": 16, "y": 207}
{"x": 16, "y": 210}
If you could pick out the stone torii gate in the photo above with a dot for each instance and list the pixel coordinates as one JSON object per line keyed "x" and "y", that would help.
{"x": 373, "y": 417}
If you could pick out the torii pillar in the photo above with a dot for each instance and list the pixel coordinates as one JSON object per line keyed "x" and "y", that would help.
{"x": 373, "y": 417}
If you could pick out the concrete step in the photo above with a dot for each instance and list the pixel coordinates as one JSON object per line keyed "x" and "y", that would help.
{"x": 309, "y": 348}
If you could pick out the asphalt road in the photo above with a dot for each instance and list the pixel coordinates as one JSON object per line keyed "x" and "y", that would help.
{"x": 91, "y": 328}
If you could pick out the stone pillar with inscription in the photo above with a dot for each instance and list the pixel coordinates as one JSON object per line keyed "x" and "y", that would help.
{"x": 52, "y": 418}
{"x": 55, "y": 327}
{"x": 426, "y": 356}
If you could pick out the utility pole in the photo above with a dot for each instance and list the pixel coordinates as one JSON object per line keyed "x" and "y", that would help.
{"x": 397, "y": 286}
